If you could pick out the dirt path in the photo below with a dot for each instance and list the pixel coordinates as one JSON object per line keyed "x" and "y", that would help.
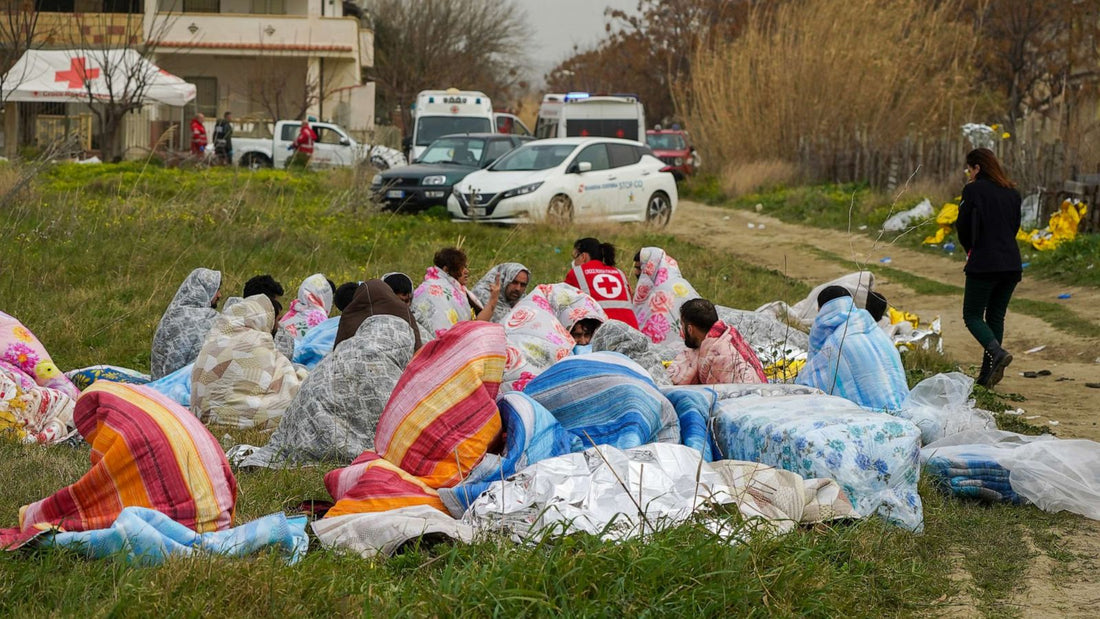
{"x": 1069, "y": 407}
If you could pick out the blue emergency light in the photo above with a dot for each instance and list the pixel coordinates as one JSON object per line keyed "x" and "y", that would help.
{"x": 576, "y": 96}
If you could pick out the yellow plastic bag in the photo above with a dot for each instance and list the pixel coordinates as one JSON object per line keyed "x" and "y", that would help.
{"x": 897, "y": 316}
{"x": 1063, "y": 226}
{"x": 948, "y": 215}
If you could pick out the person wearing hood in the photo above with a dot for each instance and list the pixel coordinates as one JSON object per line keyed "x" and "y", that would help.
{"x": 183, "y": 327}
{"x": 311, "y": 308}
{"x": 851, "y": 357}
{"x": 373, "y": 298}
{"x": 239, "y": 379}
{"x": 442, "y": 300}
{"x": 513, "y": 277}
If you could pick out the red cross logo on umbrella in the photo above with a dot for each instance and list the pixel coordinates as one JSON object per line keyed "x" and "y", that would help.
{"x": 78, "y": 73}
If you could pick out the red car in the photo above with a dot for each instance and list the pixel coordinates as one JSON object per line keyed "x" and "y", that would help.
{"x": 673, "y": 146}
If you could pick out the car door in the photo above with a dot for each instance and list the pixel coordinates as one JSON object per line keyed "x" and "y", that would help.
{"x": 594, "y": 192}
{"x": 629, "y": 178}
{"x": 328, "y": 150}
{"x": 281, "y": 150}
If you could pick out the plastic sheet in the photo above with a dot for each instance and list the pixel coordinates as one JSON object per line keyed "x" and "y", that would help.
{"x": 900, "y": 221}
{"x": 1054, "y": 474}
{"x": 941, "y": 406}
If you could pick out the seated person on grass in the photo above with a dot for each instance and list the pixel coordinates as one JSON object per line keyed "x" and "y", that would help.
{"x": 716, "y": 354}
{"x": 851, "y": 357}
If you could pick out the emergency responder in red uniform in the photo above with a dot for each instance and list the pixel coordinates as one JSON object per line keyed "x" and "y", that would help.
{"x": 595, "y": 274}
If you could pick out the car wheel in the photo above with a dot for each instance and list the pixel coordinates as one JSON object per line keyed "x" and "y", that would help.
{"x": 560, "y": 210}
{"x": 255, "y": 161}
{"x": 659, "y": 210}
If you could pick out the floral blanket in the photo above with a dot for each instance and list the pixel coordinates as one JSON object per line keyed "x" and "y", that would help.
{"x": 310, "y": 309}
{"x": 660, "y": 292}
{"x": 538, "y": 327}
{"x": 21, "y": 351}
{"x": 874, "y": 457}
{"x": 33, "y": 414}
{"x": 239, "y": 379}
{"x": 440, "y": 302}
{"x": 722, "y": 357}
{"x": 336, "y": 410}
{"x": 183, "y": 326}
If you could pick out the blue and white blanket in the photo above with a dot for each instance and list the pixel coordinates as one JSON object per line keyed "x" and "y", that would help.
{"x": 874, "y": 457}
{"x": 975, "y": 475}
{"x": 852, "y": 358}
{"x": 316, "y": 344}
{"x": 149, "y": 537}
{"x": 176, "y": 385}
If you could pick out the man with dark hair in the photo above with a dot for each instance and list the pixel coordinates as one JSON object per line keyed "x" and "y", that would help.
{"x": 716, "y": 354}
{"x": 344, "y": 294}
{"x": 223, "y": 139}
{"x": 513, "y": 277}
{"x": 263, "y": 284}
{"x": 401, "y": 285}
{"x": 851, "y": 357}
{"x": 876, "y": 305}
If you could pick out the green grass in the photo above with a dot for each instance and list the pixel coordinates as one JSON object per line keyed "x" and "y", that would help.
{"x": 92, "y": 255}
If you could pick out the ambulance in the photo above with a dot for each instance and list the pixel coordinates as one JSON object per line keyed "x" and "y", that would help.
{"x": 437, "y": 113}
{"x": 579, "y": 114}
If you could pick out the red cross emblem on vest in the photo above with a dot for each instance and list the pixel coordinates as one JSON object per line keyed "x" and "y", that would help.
{"x": 78, "y": 74}
{"x": 608, "y": 286}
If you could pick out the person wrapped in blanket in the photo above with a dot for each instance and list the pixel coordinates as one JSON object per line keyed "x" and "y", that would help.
{"x": 336, "y": 410}
{"x": 312, "y": 306}
{"x": 514, "y": 278}
{"x": 183, "y": 326}
{"x": 538, "y": 330}
{"x": 442, "y": 300}
{"x": 147, "y": 451}
{"x": 851, "y": 357}
{"x": 660, "y": 293}
{"x": 23, "y": 356}
{"x": 239, "y": 379}
{"x": 321, "y": 339}
{"x": 716, "y": 354}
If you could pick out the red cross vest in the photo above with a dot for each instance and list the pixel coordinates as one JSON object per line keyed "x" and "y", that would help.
{"x": 607, "y": 285}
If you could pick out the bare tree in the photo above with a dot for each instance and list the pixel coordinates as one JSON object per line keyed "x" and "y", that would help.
{"x": 282, "y": 94}
{"x": 469, "y": 44}
{"x": 19, "y": 32}
{"x": 117, "y": 54}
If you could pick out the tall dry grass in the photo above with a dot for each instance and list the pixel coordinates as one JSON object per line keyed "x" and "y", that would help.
{"x": 874, "y": 70}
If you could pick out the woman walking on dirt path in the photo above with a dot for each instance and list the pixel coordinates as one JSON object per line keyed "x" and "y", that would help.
{"x": 989, "y": 217}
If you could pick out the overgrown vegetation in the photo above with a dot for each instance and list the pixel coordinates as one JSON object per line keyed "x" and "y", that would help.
{"x": 92, "y": 256}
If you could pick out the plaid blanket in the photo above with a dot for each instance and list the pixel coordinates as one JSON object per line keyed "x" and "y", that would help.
{"x": 437, "y": 426}
{"x": 147, "y": 451}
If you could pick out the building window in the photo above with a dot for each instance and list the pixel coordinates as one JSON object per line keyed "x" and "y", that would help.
{"x": 206, "y": 96}
{"x": 190, "y": 6}
{"x": 55, "y": 6}
{"x": 269, "y": 7}
{"x": 122, "y": 6}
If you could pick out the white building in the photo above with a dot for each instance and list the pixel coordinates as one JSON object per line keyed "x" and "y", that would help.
{"x": 255, "y": 58}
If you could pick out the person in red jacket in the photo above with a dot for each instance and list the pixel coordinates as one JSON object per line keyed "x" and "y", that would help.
{"x": 303, "y": 146}
{"x": 595, "y": 274}
{"x": 198, "y": 135}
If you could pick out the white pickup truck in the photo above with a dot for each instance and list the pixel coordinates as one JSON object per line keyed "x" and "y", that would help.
{"x": 334, "y": 148}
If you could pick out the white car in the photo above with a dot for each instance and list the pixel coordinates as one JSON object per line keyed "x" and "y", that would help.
{"x": 567, "y": 179}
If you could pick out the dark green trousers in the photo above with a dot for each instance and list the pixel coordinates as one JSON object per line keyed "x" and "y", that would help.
{"x": 985, "y": 301}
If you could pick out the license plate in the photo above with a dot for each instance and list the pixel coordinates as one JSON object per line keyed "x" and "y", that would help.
{"x": 433, "y": 194}
{"x": 477, "y": 211}
{"x": 395, "y": 193}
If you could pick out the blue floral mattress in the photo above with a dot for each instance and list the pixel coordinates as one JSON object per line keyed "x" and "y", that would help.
{"x": 873, "y": 456}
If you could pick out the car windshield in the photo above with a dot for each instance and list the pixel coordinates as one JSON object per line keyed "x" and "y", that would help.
{"x": 431, "y": 128}
{"x": 665, "y": 141}
{"x": 534, "y": 157}
{"x": 463, "y": 151}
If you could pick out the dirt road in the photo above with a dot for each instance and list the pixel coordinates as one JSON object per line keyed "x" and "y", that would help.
{"x": 1061, "y": 400}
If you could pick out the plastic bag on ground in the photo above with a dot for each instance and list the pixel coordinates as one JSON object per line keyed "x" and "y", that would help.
{"x": 904, "y": 219}
{"x": 941, "y": 406}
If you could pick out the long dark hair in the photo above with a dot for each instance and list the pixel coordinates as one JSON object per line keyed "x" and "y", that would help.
{"x": 988, "y": 167}
{"x": 604, "y": 252}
